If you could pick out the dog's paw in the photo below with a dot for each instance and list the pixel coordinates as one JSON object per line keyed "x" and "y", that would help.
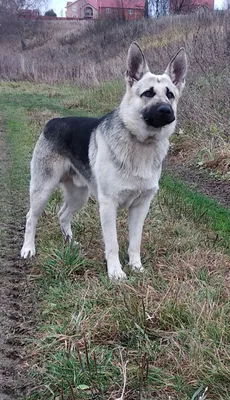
{"x": 137, "y": 267}
{"x": 27, "y": 251}
{"x": 135, "y": 262}
{"x": 116, "y": 273}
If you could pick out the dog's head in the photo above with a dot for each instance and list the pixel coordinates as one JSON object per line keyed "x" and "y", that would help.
{"x": 149, "y": 106}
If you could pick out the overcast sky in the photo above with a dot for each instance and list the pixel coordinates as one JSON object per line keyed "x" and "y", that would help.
{"x": 59, "y": 5}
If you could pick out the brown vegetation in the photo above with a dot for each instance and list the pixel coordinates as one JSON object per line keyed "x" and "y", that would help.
{"x": 89, "y": 53}
{"x": 60, "y": 52}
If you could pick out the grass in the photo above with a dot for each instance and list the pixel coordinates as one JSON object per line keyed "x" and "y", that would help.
{"x": 163, "y": 334}
{"x": 64, "y": 100}
{"x": 198, "y": 207}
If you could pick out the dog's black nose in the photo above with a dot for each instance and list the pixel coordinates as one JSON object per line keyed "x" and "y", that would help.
{"x": 165, "y": 109}
{"x": 158, "y": 115}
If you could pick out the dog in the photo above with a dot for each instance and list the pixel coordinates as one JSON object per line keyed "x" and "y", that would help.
{"x": 117, "y": 158}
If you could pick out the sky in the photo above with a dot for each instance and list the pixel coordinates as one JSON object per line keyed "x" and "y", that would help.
{"x": 59, "y": 6}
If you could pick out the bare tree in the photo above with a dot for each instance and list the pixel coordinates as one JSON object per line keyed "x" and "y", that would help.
{"x": 226, "y": 4}
{"x": 158, "y": 8}
{"x": 182, "y": 6}
{"x": 120, "y": 12}
{"x": 146, "y": 9}
{"x": 124, "y": 9}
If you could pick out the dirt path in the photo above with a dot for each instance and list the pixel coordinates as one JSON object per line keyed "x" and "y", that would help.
{"x": 16, "y": 294}
{"x": 195, "y": 178}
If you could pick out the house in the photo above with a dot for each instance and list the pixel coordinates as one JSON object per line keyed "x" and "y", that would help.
{"x": 82, "y": 9}
{"x": 91, "y": 9}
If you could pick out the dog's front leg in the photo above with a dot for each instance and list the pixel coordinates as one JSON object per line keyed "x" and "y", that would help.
{"x": 108, "y": 213}
{"x": 137, "y": 215}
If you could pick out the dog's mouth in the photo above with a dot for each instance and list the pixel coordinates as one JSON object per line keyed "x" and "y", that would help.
{"x": 158, "y": 115}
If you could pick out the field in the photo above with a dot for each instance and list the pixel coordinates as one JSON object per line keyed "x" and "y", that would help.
{"x": 163, "y": 334}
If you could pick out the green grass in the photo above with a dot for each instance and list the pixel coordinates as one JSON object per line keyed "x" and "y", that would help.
{"x": 203, "y": 210}
{"x": 166, "y": 330}
{"x": 62, "y": 100}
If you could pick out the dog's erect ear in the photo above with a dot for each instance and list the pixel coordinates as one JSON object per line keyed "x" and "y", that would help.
{"x": 177, "y": 69}
{"x": 136, "y": 64}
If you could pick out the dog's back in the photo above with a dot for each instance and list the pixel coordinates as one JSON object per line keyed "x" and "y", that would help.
{"x": 70, "y": 136}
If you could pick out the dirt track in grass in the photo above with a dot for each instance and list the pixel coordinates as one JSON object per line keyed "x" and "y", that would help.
{"x": 200, "y": 181}
{"x": 17, "y": 301}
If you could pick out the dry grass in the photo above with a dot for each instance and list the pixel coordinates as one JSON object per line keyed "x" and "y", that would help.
{"x": 59, "y": 52}
{"x": 216, "y": 162}
{"x": 171, "y": 323}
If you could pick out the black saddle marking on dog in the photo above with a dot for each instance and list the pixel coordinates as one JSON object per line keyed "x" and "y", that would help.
{"x": 71, "y": 135}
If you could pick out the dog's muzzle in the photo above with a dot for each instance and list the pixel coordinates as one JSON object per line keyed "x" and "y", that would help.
{"x": 158, "y": 115}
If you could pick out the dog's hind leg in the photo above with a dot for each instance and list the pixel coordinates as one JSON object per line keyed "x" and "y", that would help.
{"x": 39, "y": 195}
{"x": 74, "y": 199}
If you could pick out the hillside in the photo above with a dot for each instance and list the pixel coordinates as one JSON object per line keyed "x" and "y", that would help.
{"x": 59, "y": 51}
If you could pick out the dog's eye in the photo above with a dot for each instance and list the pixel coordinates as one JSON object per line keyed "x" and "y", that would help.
{"x": 149, "y": 93}
{"x": 169, "y": 94}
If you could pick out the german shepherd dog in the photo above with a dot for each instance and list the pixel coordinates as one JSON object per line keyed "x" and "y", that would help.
{"x": 116, "y": 158}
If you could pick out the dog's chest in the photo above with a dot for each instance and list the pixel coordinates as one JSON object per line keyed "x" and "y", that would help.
{"x": 127, "y": 174}
{"x": 128, "y": 198}
{"x": 126, "y": 190}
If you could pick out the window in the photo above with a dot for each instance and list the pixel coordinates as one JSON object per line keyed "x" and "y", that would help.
{"x": 108, "y": 10}
{"x": 74, "y": 8}
{"x": 88, "y": 12}
{"x": 130, "y": 12}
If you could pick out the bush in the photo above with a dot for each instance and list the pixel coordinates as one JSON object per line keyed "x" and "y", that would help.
{"x": 50, "y": 13}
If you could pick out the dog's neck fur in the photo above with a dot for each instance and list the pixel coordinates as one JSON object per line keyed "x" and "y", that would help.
{"x": 140, "y": 159}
